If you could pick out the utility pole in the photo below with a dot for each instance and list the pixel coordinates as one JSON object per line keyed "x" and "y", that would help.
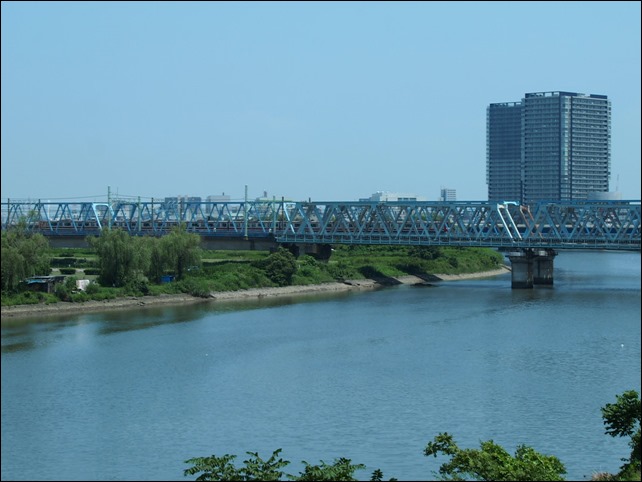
{"x": 108, "y": 207}
{"x": 274, "y": 215}
{"x": 245, "y": 213}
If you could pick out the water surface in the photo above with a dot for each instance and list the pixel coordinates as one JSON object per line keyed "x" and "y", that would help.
{"x": 372, "y": 376}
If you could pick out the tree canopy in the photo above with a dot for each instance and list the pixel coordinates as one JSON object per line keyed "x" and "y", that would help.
{"x": 490, "y": 462}
{"x": 493, "y": 462}
{"x": 255, "y": 468}
{"x": 622, "y": 419}
{"x": 23, "y": 254}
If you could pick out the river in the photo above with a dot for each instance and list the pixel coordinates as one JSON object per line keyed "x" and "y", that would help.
{"x": 371, "y": 376}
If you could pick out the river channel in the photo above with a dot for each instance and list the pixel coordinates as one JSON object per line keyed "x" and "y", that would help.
{"x": 371, "y": 376}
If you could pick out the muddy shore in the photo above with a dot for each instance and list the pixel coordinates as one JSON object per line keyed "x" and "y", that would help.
{"x": 25, "y": 311}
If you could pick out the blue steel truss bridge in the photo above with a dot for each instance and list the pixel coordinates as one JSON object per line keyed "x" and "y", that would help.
{"x": 546, "y": 225}
{"x": 529, "y": 235}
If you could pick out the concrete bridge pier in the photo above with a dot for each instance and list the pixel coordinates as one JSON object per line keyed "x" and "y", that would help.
{"x": 531, "y": 267}
{"x": 543, "y": 267}
{"x": 522, "y": 269}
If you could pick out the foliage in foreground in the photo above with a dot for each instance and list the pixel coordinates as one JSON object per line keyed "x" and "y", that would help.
{"x": 489, "y": 462}
{"x": 255, "y": 468}
{"x": 622, "y": 419}
{"x": 492, "y": 462}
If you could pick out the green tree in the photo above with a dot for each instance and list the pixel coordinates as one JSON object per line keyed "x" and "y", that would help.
{"x": 64, "y": 291}
{"x": 223, "y": 468}
{"x": 255, "y": 468}
{"x": 24, "y": 254}
{"x": 156, "y": 266}
{"x": 341, "y": 469}
{"x": 492, "y": 462}
{"x": 279, "y": 266}
{"x": 118, "y": 258}
{"x": 181, "y": 250}
{"x": 622, "y": 419}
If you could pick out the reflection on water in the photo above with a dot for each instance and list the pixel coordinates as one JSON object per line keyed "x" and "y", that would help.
{"x": 51, "y": 328}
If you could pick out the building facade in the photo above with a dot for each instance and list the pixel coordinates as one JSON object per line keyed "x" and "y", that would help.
{"x": 504, "y": 151}
{"x": 448, "y": 194}
{"x": 385, "y": 196}
{"x": 551, "y": 146}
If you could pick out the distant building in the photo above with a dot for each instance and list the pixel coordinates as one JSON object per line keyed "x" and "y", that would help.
{"x": 384, "y": 196}
{"x": 182, "y": 200}
{"x": 222, "y": 198}
{"x": 265, "y": 198}
{"x": 182, "y": 206}
{"x": 448, "y": 195}
{"x": 552, "y": 146}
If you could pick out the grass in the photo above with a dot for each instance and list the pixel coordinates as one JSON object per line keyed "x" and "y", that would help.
{"x": 238, "y": 270}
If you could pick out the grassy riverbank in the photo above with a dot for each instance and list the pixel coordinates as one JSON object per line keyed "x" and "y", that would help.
{"x": 62, "y": 307}
{"x": 233, "y": 275}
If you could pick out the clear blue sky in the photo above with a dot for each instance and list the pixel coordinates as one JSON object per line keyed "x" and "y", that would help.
{"x": 328, "y": 100}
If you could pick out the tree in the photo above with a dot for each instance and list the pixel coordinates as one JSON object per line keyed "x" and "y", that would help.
{"x": 118, "y": 258}
{"x": 622, "y": 419}
{"x": 181, "y": 250}
{"x": 24, "y": 254}
{"x": 341, "y": 469}
{"x": 255, "y": 468}
{"x": 492, "y": 462}
{"x": 279, "y": 266}
{"x": 156, "y": 266}
{"x": 222, "y": 468}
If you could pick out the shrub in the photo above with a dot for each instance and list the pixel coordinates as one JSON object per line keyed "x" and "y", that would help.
{"x": 279, "y": 266}
{"x": 195, "y": 287}
{"x": 92, "y": 288}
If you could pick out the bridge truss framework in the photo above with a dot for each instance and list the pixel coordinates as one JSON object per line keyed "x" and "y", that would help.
{"x": 546, "y": 225}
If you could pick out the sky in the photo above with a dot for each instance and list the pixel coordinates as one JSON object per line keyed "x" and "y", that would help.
{"x": 328, "y": 101}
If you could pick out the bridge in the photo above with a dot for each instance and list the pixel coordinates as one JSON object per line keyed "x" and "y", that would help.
{"x": 529, "y": 235}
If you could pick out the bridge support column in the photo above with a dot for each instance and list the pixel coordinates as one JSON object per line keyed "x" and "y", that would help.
{"x": 531, "y": 267}
{"x": 522, "y": 269}
{"x": 543, "y": 267}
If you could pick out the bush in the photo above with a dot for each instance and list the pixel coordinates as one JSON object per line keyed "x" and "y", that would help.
{"x": 28, "y": 298}
{"x": 92, "y": 288}
{"x": 195, "y": 287}
{"x": 138, "y": 286}
{"x": 310, "y": 271}
{"x": 342, "y": 270}
{"x": 279, "y": 266}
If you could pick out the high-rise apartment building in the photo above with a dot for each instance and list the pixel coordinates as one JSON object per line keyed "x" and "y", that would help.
{"x": 504, "y": 151}
{"x": 550, "y": 146}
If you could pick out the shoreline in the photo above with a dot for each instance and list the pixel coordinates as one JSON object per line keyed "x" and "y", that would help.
{"x": 62, "y": 307}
